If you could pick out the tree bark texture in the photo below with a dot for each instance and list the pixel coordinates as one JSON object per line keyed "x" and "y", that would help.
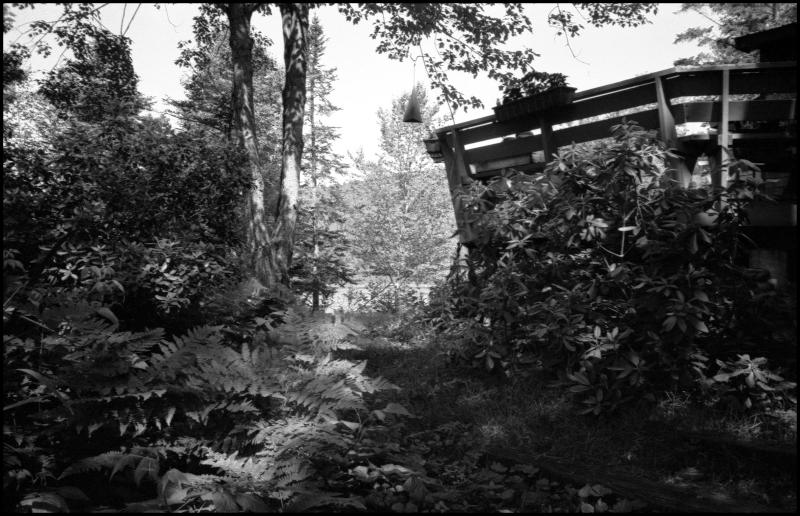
{"x": 243, "y": 131}
{"x": 295, "y": 31}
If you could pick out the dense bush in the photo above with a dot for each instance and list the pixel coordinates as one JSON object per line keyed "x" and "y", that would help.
{"x": 606, "y": 271}
{"x": 124, "y": 212}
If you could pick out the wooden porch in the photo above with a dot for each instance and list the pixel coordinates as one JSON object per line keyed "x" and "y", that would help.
{"x": 750, "y": 110}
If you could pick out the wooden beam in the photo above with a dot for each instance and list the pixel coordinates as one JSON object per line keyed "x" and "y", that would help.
{"x": 609, "y": 102}
{"x": 721, "y": 168}
{"x": 602, "y": 129}
{"x": 503, "y": 149}
{"x": 737, "y": 110}
{"x": 495, "y": 130}
{"x": 666, "y": 129}
{"x": 763, "y": 81}
{"x": 666, "y": 122}
{"x": 549, "y": 143}
{"x": 782, "y": 75}
{"x": 488, "y": 166}
{"x": 578, "y": 110}
{"x": 577, "y": 134}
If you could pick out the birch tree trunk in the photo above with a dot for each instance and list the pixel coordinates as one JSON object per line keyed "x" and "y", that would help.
{"x": 243, "y": 131}
{"x": 295, "y": 31}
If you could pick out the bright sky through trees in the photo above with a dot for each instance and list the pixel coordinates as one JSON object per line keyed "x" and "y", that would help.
{"x": 367, "y": 80}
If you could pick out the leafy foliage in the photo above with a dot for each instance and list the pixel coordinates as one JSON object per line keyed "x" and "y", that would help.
{"x": 468, "y": 38}
{"x": 400, "y": 217}
{"x": 602, "y": 270}
{"x": 531, "y": 83}
{"x": 98, "y": 83}
{"x": 270, "y": 414}
{"x": 731, "y": 21}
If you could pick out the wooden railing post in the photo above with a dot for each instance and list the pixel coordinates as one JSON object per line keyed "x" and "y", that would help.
{"x": 548, "y": 142}
{"x": 723, "y": 137}
{"x": 667, "y": 132}
{"x": 719, "y": 157}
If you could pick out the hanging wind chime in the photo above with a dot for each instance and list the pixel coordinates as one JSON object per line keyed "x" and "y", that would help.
{"x": 412, "y": 113}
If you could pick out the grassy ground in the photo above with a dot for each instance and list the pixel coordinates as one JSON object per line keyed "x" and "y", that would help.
{"x": 462, "y": 412}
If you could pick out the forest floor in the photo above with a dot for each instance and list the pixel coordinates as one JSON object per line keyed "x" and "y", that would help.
{"x": 517, "y": 445}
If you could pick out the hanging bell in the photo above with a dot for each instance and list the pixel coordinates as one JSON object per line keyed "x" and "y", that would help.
{"x": 412, "y": 109}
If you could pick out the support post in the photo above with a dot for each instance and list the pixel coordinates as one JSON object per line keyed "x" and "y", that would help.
{"x": 667, "y": 132}
{"x": 724, "y": 134}
{"x": 548, "y": 142}
{"x": 457, "y": 178}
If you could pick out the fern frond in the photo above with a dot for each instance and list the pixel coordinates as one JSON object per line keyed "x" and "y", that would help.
{"x": 103, "y": 461}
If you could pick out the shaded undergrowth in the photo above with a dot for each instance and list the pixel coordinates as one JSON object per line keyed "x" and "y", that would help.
{"x": 463, "y": 413}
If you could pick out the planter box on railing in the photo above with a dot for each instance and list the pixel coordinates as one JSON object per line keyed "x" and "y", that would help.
{"x": 434, "y": 148}
{"x": 535, "y": 103}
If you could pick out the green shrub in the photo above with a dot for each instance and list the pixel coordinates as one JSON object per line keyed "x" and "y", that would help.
{"x": 127, "y": 213}
{"x": 607, "y": 272}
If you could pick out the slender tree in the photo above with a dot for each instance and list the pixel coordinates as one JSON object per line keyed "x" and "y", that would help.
{"x": 319, "y": 263}
{"x": 400, "y": 218}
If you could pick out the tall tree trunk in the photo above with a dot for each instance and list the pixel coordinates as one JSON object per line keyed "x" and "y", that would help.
{"x": 295, "y": 31}
{"x": 243, "y": 131}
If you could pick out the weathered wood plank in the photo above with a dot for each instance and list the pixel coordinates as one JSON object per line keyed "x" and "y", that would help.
{"x": 602, "y": 129}
{"x": 496, "y": 130}
{"x": 578, "y": 134}
{"x": 657, "y": 494}
{"x": 514, "y": 161}
{"x": 782, "y": 67}
{"x": 739, "y": 110}
{"x": 607, "y": 103}
{"x": 720, "y": 169}
{"x": 504, "y": 149}
{"x": 763, "y": 81}
{"x": 578, "y": 110}
{"x": 743, "y": 137}
{"x": 760, "y": 78}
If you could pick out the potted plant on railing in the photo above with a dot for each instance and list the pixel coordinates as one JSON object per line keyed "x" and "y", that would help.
{"x": 533, "y": 93}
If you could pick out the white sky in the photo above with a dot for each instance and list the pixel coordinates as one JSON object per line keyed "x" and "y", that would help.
{"x": 368, "y": 81}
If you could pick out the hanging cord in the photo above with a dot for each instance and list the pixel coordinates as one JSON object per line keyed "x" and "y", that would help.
{"x": 456, "y": 266}
{"x": 446, "y": 96}
{"x": 414, "y": 74}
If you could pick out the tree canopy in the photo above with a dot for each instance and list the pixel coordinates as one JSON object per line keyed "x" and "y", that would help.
{"x": 729, "y": 21}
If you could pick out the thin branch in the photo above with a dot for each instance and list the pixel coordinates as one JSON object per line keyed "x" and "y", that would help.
{"x": 447, "y": 97}
{"x": 187, "y": 119}
{"x": 49, "y": 31}
{"x": 704, "y": 15}
{"x": 168, "y": 19}
{"x": 23, "y": 402}
{"x": 59, "y": 59}
{"x": 53, "y": 24}
{"x": 122, "y": 21}
{"x": 36, "y": 323}
{"x": 132, "y": 18}
{"x": 468, "y": 46}
{"x": 566, "y": 37}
